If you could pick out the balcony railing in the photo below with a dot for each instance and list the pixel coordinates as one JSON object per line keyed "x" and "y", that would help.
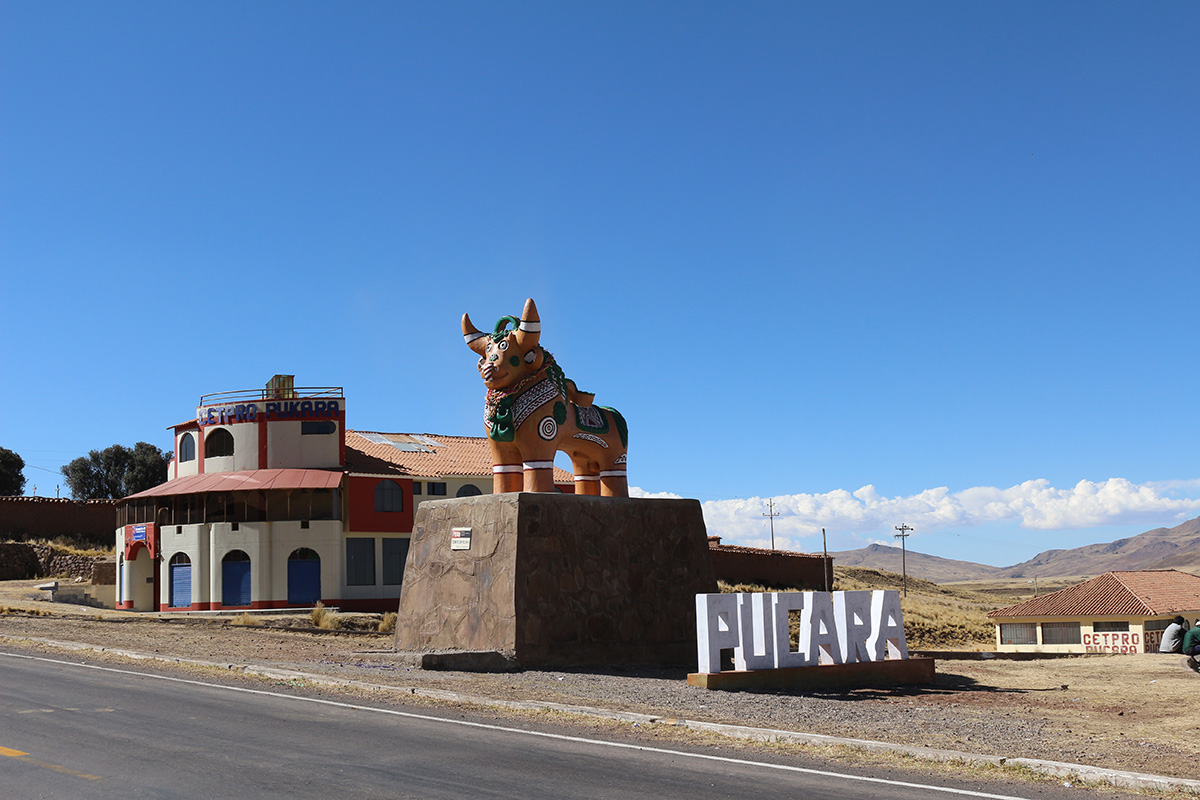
{"x": 244, "y": 395}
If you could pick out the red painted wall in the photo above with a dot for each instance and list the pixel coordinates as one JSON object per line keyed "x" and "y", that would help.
{"x": 774, "y": 568}
{"x": 361, "y": 515}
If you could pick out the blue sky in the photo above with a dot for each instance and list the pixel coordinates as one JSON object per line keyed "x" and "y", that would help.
{"x": 924, "y": 263}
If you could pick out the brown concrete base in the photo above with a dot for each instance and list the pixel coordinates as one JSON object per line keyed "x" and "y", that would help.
{"x": 864, "y": 674}
{"x": 556, "y": 579}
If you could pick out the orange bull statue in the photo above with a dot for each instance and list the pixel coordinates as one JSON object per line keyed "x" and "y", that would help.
{"x": 532, "y": 411}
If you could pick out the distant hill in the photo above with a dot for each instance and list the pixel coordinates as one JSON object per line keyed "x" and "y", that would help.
{"x": 919, "y": 565}
{"x": 1161, "y": 548}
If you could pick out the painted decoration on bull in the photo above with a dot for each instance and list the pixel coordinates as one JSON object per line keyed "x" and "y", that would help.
{"x": 533, "y": 410}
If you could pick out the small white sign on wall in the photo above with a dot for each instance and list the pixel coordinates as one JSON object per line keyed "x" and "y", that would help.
{"x": 460, "y": 538}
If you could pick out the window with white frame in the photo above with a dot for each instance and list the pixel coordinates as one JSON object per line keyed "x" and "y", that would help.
{"x": 1018, "y": 633}
{"x": 1061, "y": 633}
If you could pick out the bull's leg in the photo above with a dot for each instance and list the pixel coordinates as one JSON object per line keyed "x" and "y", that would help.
{"x": 613, "y": 482}
{"x": 587, "y": 476}
{"x": 539, "y": 476}
{"x": 506, "y": 478}
{"x": 507, "y": 469}
{"x": 538, "y": 465}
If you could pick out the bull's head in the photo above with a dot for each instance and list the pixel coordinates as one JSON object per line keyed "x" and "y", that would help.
{"x": 507, "y": 356}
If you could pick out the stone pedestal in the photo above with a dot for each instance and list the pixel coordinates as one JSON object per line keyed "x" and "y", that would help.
{"x": 556, "y": 579}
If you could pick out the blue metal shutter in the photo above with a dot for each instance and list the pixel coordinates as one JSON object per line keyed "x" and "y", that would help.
{"x": 181, "y": 585}
{"x": 304, "y": 581}
{"x": 235, "y": 583}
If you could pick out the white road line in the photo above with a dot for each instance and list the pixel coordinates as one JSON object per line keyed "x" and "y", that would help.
{"x": 503, "y": 729}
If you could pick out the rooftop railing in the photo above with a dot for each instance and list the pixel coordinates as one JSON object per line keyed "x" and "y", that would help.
{"x": 244, "y": 395}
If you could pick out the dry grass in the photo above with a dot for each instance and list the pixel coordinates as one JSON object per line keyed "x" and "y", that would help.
{"x": 387, "y": 623}
{"x": 246, "y": 619}
{"x": 935, "y": 617}
{"x": 28, "y": 612}
{"x": 325, "y": 618}
{"x": 72, "y": 546}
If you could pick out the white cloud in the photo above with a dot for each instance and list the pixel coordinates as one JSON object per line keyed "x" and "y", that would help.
{"x": 1033, "y": 504}
{"x": 637, "y": 491}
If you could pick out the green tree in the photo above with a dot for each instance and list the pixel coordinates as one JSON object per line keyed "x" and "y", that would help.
{"x": 116, "y": 471}
{"x": 12, "y": 482}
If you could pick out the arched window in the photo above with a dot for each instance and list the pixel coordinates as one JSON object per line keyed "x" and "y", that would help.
{"x": 389, "y": 496}
{"x": 218, "y": 443}
{"x": 468, "y": 490}
{"x": 187, "y": 447}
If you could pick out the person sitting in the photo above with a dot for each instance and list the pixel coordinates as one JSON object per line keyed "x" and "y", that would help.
{"x": 1172, "y": 638}
{"x": 1191, "y": 647}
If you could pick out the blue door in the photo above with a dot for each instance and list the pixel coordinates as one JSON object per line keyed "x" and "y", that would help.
{"x": 304, "y": 577}
{"x": 181, "y": 582}
{"x": 235, "y": 579}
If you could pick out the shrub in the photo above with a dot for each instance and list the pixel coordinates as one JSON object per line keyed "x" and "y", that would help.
{"x": 325, "y": 618}
{"x": 388, "y": 623}
{"x": 246, "y": 619}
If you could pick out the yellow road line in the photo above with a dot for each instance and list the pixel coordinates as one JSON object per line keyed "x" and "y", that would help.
{"x": 21, "y": 756}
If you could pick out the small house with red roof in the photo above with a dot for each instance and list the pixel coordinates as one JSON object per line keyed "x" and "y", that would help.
{"x": 1117, "y": 612}
{"x": 271, "y": 502}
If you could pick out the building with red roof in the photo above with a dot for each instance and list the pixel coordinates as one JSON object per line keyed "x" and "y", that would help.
{"x": 1117, "y": 612}
{"x": 271, "y": 502}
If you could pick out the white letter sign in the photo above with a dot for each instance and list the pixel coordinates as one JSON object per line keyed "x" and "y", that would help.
{"x": 835, "y": 628}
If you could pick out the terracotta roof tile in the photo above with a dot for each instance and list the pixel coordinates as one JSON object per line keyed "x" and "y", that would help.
{"x": 246, "y": 480}
{"x": 1148, "y": 592}
{"x": 425, "y": 455}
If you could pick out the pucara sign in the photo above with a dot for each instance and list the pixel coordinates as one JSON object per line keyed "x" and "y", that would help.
{"x": 835, "y": 628}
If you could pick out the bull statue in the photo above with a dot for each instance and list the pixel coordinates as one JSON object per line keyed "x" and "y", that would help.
{"x": 532, "y": 411}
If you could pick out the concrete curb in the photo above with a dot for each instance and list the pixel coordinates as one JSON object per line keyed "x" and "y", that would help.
{"x": 1114, "y": 777}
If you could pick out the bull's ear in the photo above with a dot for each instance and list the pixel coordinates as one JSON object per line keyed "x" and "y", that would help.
{"x": 530, "y": 329}
{"x": 475, "y": 339}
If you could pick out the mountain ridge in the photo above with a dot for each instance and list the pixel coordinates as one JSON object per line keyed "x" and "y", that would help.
{"x": 1159, "y": 548}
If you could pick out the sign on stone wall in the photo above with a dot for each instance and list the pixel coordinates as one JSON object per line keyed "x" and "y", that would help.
{"x": 834, "y": 628}
{"x": 460, "y": 539}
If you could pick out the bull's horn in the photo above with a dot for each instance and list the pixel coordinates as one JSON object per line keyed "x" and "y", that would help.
{"x": 530, "y": 329}
{"x": 475, "y": 339}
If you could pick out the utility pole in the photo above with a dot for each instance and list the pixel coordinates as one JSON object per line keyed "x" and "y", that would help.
{"x": 902, "y": 535}
{"x": 825, "y": 566}
{"x": 772, "y": 513}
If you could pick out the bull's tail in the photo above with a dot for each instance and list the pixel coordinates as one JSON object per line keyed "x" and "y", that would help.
{"x": 577, "y": 397}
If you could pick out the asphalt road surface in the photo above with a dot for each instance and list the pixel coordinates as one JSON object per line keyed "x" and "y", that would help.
{"x": 72, "y": 730}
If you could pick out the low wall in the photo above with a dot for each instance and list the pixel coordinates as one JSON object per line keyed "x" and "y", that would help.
{"x": 780, "y": 568}
{"x": 22, "y": 561}
{"x": 92, "y": 521}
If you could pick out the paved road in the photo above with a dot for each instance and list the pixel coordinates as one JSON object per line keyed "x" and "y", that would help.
{"x": 74, "y": 731}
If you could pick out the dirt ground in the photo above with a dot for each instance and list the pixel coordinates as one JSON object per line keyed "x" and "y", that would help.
{"x": 1123, "y": 712}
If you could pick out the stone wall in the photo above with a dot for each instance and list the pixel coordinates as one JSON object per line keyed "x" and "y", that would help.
{"x": 19, "y": 561}
{"x": 23, "y": 561}
{"x": 557, "y": 579}
{"x": 92, "y": 521}
{"x": 779, "y": 568}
